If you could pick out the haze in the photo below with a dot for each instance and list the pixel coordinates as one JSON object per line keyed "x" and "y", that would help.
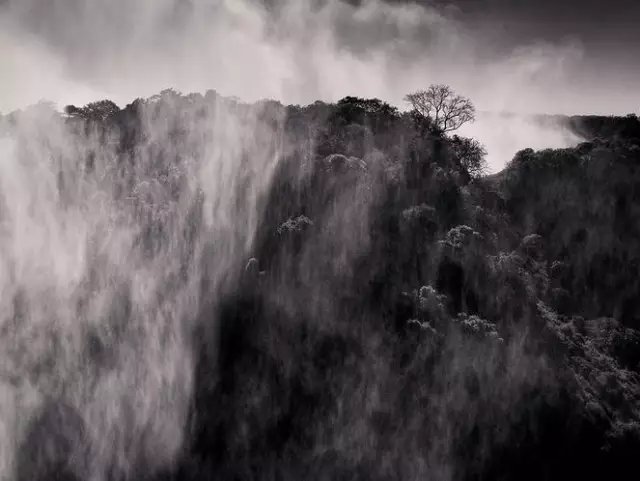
{"x": 179, "y": 279}
{"x": 73, "y": 51}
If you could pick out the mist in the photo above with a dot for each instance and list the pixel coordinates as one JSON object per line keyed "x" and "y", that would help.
{"x": 102, "y": 268}
{"x": 182, "y": 273}
{"x": 299, "y": 51}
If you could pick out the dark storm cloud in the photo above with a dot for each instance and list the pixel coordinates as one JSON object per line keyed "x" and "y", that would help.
{"x": 607, "y": 29}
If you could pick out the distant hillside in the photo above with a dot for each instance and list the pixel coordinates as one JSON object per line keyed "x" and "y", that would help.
{"x": 593, "y": 127}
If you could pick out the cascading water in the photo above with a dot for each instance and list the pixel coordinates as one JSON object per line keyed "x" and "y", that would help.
{"x": 105, "y": 249}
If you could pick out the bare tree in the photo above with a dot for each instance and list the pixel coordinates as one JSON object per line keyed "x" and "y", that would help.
{"x": 445, "y": 109}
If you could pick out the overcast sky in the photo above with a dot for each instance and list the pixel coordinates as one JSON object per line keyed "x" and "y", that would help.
{"x": 546, "y": 55}
{"x": 607, "y": 31}
{"x": 542, "y": 56}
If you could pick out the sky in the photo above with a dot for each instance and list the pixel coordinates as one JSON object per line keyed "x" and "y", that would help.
{"x": 518, "y": 56}
{"x": 506, "y": 54}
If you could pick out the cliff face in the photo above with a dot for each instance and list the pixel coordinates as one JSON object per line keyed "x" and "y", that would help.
{"x": 335, "y": 295}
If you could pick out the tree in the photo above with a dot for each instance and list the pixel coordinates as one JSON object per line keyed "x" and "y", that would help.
{"x": 442, "y": 107}
{"x": 375, "y": 112}
{"x": 370, "y": 106}
{"x": 470, "y": 153}
{"x": 99, "y": 111}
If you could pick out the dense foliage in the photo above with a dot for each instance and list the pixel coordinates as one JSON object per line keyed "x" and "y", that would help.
{"x": 402, "y": 316}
